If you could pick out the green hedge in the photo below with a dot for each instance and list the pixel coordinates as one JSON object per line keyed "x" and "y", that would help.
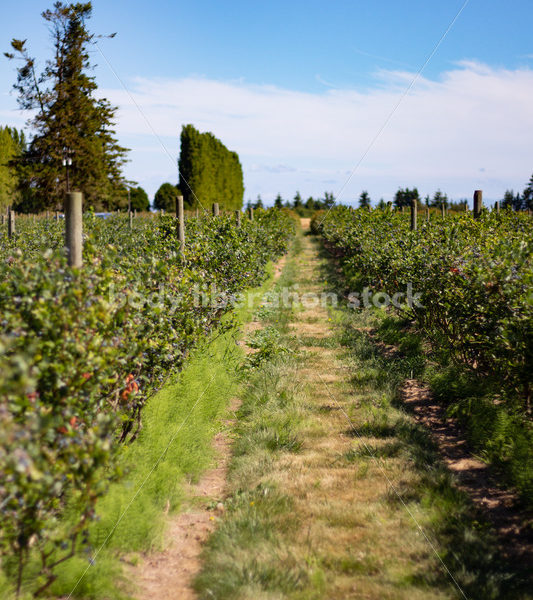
{"x": 209, "y": 172}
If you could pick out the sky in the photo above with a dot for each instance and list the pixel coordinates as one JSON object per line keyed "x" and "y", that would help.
{"x": 314, "y": 96}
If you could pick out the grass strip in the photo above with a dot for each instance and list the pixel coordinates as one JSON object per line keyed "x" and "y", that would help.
{"x": 179, "y": 424}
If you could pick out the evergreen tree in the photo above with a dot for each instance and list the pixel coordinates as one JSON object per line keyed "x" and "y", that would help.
{"x": 70, "y": 123}
{"x": 382, "y": 204}
{"x": 329, "y": 200}
{"x": 404, "y": 197}
{"x": 209, "y": 172}
{"x": 12, "y": 144}
{"x": 310, "y": 203}
{"x": 439, "y": 200}
{"x": 165, "y": 197}
{"x": 297, "y": 203}
{"x": 139, "y": 199}
{"x": 527, "y": 196}
{"x": 258, "y": 203}
{"x": 364, "y": 200}
{"x": 513, "y": 201}
{"x": 278, "y": 202}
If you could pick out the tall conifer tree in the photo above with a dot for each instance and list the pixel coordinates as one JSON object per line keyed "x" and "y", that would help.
{"x": 70, "y": 124}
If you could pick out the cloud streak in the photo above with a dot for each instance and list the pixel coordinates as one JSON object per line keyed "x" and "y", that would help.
{"x": 445, "y": 131}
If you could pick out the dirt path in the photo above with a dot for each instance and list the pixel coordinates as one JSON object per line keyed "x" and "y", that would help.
{"x": 168, "y": 575}
{"x": 361, "y": 506}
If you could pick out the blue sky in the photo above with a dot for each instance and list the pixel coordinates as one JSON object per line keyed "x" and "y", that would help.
{"x": 301, "y": 89}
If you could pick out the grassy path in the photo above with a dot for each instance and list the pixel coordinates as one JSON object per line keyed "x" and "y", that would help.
{"x": 335, "y": 491}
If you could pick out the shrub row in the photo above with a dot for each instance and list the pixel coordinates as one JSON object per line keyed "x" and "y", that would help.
{"x": 474, "y": 278}
{"x": 82, "y": 350}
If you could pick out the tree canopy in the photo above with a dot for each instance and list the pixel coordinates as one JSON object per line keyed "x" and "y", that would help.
{"x": 70, "y": 124}
{"x": 12, "y": 143}
{"x": 404, "y": 197}
{"x": 139, "y": 199}
{"x": 527, "y": 196}
{"x": 166, "y": 196}
{"x": 364, "y": 200}
{"x": 209, "y": 172}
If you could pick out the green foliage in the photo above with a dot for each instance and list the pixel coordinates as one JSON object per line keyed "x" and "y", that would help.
{"x": 166, "y": 196}
{"x": 511, "y": 201}
{"x": 316, "y": 221}
{"x": 69, "y": 122}
{"x": 527, "y": 197}
{"x": 364, "y": 200}
{"x": 267, "y": 345}
{"x": 81, "y": 351}
{"x": 439, "y": 200}
{"x": 474, "y": 278}
{"x": 403, "y": 197}
{"x": 209, "y": 172}
{"x": 139, "y": 199}
{"x": 311, "y": 205}
{"x": 12, "y": 143}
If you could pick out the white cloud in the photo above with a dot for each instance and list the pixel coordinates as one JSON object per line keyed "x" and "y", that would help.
{"x": 470, "y": 129}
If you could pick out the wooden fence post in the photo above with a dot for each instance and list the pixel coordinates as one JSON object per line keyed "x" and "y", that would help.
{"x": 478, "y": 203}
{"x": 10, "y": 223}
{"x": 180, "y": 223}
{"x": 251, "y": 213}
{"x": 197, "y": 212}
{"x": 238, "y": 217}
{"x": 216, "y": 210}
{"x": 414, "y": 211}
{"x": 130, "y": 219}
{"x": 443, "y": 210}
{"x": 497, "y": 206}
{"x": 74, "y": 228}
{"x": 427, "y": 214}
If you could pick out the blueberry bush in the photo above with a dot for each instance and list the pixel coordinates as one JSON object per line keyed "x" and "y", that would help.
{"x": 81, "y": 350}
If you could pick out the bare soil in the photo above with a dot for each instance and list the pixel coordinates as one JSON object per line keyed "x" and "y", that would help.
{"x": 513, "y": 524}
{"x": 168, "y": 575}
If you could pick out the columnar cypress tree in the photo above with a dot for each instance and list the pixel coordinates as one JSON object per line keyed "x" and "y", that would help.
{"x": 12, "y": 143}
{"x": 209, "y": 172}
{"x": 70, "y": 123}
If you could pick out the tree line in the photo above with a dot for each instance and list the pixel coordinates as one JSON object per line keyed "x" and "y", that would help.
{"x": 404, "y": 197}
{"x": 74, "y": 145}
{"x": 298, "y": 204}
